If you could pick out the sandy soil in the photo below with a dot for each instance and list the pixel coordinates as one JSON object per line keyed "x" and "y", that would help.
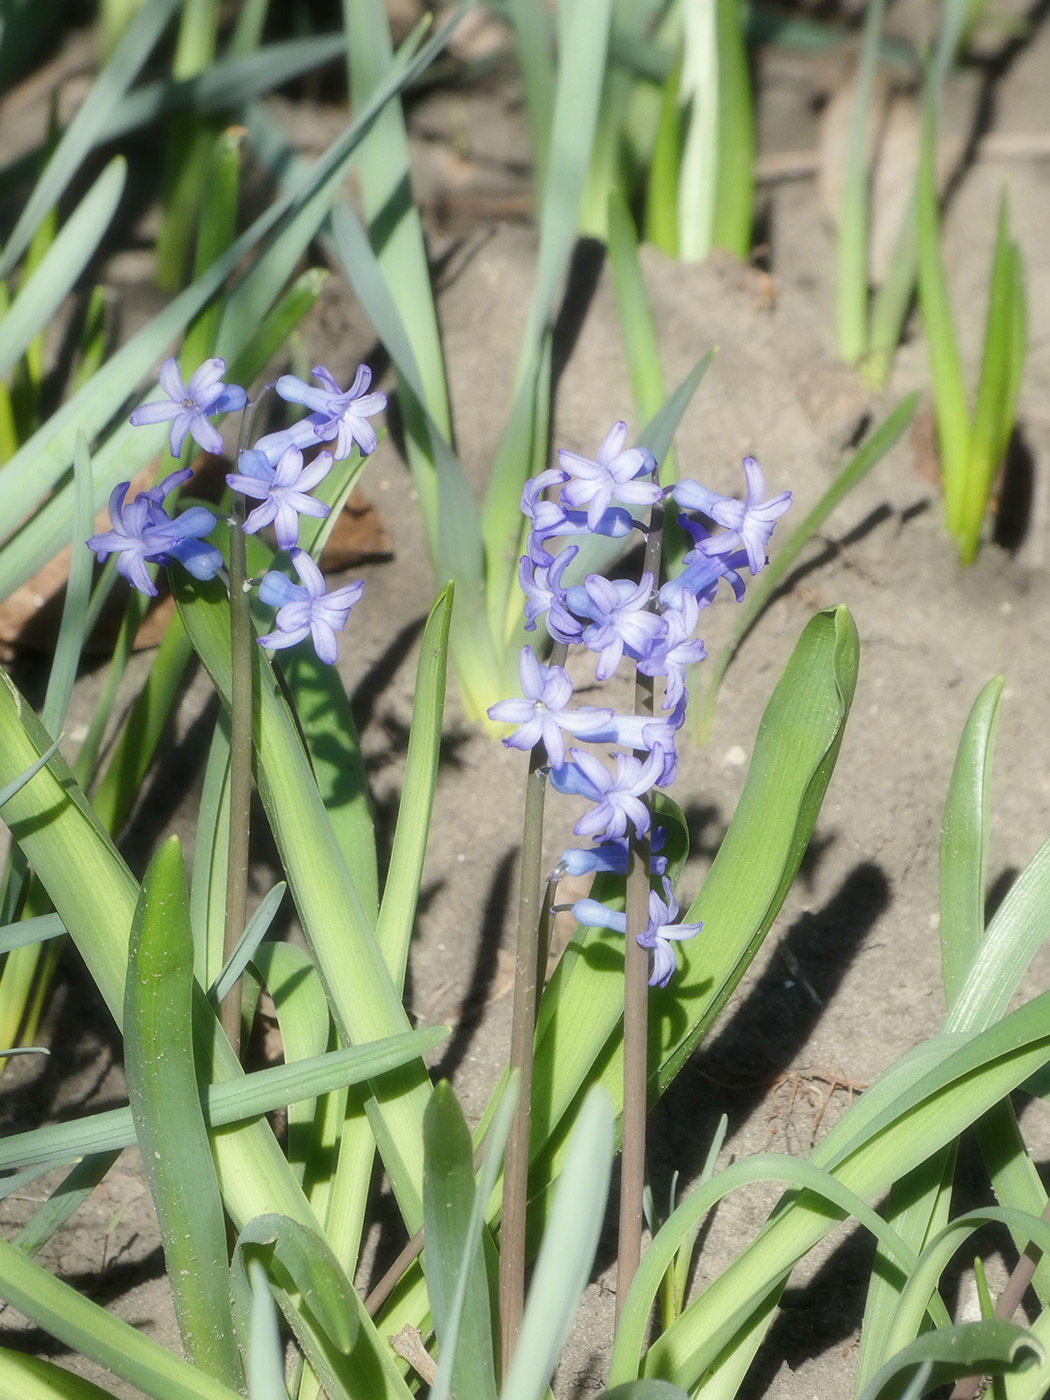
{"x": 849, "y": 978}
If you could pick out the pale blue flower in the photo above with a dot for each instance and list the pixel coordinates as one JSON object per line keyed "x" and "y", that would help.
{"x": 282, "y": 491}
{"x": 541, "y": 715}
{"x": 748, "y": 524}
{"x": 189, "y": 405}
{"x": 306, "y": 607}
{"x": 336, "y": 415}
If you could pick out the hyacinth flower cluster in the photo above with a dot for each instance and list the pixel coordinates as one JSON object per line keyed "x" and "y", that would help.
{"x": 273, "y": 472}
{"x": 653, "y": 625}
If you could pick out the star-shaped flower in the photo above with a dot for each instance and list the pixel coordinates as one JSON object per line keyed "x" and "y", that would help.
{"x": 306, "y": 607}
{"x": 617, "y": 799}
{"x": 282, "y": 490}
{"x": 614, "y": 472}
{"x": 189, "y": 405}
{"x": 142, "y": 533}
{"x": 541, "y": 715}
{"x": 620, "y": 619}
{"x": 338, "y": 415}
{"x": 658, "y": 936}
{"x": 748, "y": 524}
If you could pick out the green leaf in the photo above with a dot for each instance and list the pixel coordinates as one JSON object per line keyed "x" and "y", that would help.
{"x": 228, "y": 1101}
{"x": 104, "y": 98}
{"x": 989, "y": 1347}
{"x": 448, "y": 1206}
{"x": 169, "y": 1124}
{"x": 42, "y": 292}
{"x": 264, "y": 1363}
{"x": 949, "y": 396}
{"x": 32, "y": 1378}
{"x": 365, "y": 1003}
{"x": 567, "y": 1252}
{"x": 86, "y": 1328}
{"x": 734, "y": 191}
{"x": 851, "y": 247}
{"x": 964, "y": 841}
{"x": 999, "y": 384}
{"x": 303, "y": 1254}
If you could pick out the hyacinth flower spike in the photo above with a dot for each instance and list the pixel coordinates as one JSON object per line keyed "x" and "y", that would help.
{"x": 541, "y": 715}
{"x": 282, "y": 491}
{"x": 748, "y": 524}
{"x": 189, "y": 405}
{"x": 305, "y": 607}
{"x": 335, "y": 414}
{"x": 142, "y": 533}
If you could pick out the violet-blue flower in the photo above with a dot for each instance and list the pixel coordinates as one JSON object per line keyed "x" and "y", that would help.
{"x": 701, "y": 571}
{"x": 305, "y": 607}
{"x": 748, "y": 524}
{"x": 620, "y": 619}
{"x": 610, "y": 857}
{"x": 143, "y": 534}
{"x": 338, "y": 415}
{"x": 544, "y": 594}
{"x": 614, "y": 472}
{"x": 617, "y": 798}
{"x": 644, "y": 733}
{"x": 189, "y": 405}
{"x": 658, "y": 935}
{"x": 282, "y": 491}
{"x": 541, "y": 715}
{"x": 675, "y": 650}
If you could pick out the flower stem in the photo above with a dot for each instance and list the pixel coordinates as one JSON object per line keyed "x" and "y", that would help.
{"x": 636, "y": 998}
{"x": 523, "y": 1030}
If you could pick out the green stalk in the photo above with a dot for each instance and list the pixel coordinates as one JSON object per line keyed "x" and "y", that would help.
{"x": 636, "y": 993}
{"x": 242, "y": 634}
{"x": 523, "y": 1031}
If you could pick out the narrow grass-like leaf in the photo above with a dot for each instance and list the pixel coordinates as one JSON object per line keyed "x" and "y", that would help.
{"x": 42, "y": 292}
{"x": 1000, "y": 381}
{"x": 74, "y": 1189}
{"x": 86, "y": 1328}
{"x": 133, "y": 751}
{"x": 255, "y": 931}
{"x": 169, "y": 1124}
{"x": 362, "y": 995}
{"x": 401, "y": 893}
{"x": 760, "y": 1167}
{"x": 304, "y": 1255}
{"x": 964, "y": 841}
{"x": 41, "y": 462}
{"x": 583, "y": 30}
{"x": 15, "y": 786}
{"x": 533, "y": 42}
{"x": 395, "y": 227}
{"x": 1009, "y": 944}
{"x": 921, "y": 1103}
{"x": 32, "y": 1378}
{"x": 330, "y": 733}
{"x": 949, "y": 396}
{"x": 448, "y": 1205}
{"x": 734, "y": 191}
{"x": 698, "y": 100}
{"x": 228, "y": 1101}
{"x": 851, "y": 246}
{"x": 495, "y": 1143}
{"x": 264, "y": 1363}
{"x": 760, "y": 591}
{"x": 95, "y": 894}
{"x": 923, "y": 1279}
{"x": 225, "y": 85}
{"x": 104, "y": 98}
{"x": 29, "y": 931}
{"x": 567, "y": 1252}
{"x": 989, "y": 1347}
{"x": 644, "y": 1390}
